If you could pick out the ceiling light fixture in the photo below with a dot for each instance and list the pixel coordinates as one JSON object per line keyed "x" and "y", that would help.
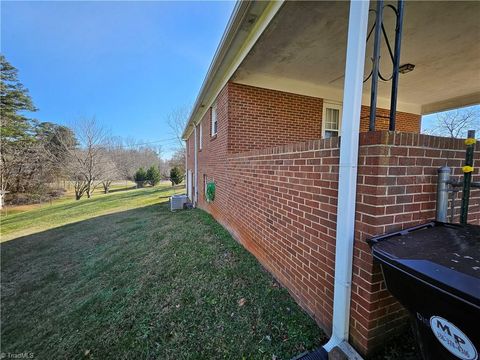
{"x": 406, "y": 68}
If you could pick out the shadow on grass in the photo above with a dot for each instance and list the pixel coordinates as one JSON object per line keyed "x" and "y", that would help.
{"x": 134, "y": 187}
{"x": 145, "y": 283}
{"x": 177, "y": 190}
{"x": 112, "y": 191}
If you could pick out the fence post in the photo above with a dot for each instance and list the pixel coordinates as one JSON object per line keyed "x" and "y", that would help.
{"x": 467, "y": 176}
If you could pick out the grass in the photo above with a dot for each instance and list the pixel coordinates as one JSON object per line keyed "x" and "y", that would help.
{"x": 69, "y": 196}
{"x": 68, "y": 210}
{"x": 121, "y": 277}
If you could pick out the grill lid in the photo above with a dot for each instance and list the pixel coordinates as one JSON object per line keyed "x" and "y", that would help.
{"x": 446, "y": 256}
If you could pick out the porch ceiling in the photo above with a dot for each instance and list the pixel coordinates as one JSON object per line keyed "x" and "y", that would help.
{"x": 303, "y": 51}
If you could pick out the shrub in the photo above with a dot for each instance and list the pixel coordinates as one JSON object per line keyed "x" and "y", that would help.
{"x": 176, "y": 176}
{"x": 153, "y": 175}
{"x": 140, "y": 177}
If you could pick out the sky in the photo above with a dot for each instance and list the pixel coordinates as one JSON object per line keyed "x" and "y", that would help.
{"x": 128, "y": 63}
{"x": 430, "y": 121}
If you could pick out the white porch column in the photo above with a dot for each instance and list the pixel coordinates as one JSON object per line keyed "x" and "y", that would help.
{"x": 352, "y": 102}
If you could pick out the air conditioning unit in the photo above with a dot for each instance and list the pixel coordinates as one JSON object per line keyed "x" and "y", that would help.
{"x": 177, "y": 202}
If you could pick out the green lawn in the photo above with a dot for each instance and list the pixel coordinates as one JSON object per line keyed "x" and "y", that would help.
{"x": 68, "y": 210}
{"x": 121, "y": 277}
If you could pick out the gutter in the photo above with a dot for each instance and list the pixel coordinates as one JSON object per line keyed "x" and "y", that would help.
{"x": 347, "y": 181}
{"x": 248, "y": 21}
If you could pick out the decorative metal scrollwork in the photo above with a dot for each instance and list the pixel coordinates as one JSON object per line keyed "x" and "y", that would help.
{"x": 387, "y": 41}
{"x": 379, "y": 29}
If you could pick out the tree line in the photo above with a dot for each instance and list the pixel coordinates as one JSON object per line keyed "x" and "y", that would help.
{"x": 35, "y": 154}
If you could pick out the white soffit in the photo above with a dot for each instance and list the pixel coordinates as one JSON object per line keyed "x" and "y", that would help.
{"x": 247, "y": 23}
{"x": 303, "y": 51}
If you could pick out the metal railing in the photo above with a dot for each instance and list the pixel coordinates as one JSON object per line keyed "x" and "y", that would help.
{"x": 447, "y": 185}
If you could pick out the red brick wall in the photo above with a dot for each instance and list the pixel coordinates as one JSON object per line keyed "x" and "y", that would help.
{"x": 280, "y": 203}
{"x": 213, "y": 156}
{"x": 396, "y": 189}
{"x": 405, "y": 122}
{"x": 262, "y": 118}
{"x": 258, "y": 118}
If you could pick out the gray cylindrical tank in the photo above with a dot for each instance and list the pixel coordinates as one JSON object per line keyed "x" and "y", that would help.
{"x": 442, "y": 193}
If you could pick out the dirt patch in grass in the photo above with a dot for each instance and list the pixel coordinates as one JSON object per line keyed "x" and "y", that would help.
{"x": 145, "y": 284}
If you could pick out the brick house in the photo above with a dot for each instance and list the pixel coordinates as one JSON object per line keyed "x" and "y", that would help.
{"x": 285, "y": 83}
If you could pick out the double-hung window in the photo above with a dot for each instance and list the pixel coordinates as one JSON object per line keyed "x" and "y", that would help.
{"x": 214, "y": 120}
{"x": 332, "y": 119}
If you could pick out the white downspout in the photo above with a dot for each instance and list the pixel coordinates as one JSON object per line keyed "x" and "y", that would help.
{"x": 347, "y": 181}
{"x": 195, "y": 171}
{"x": 186, "y": 167}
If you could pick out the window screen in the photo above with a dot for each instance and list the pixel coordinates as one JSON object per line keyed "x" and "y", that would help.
{"x": 331, "y": 120}
{"x": 214, "y": 120}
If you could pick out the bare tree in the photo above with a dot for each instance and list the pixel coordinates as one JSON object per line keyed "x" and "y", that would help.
{"x": 85, "y": 164}
{"x": 123, "y": 158}
{"x": 164, "y": 167}
{"x": 130, "y": 155}
{"x": 24, "y": 167}
{"x": 177, "y": 120}
{"x": 456, "y": 123}
{"x": 178, "y": 160}
{"x": 110, "y": 172}
{"x": 29, "y": 164}
{"x": 80, "y": 184}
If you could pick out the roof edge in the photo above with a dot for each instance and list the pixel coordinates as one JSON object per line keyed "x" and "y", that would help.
{"x": 234, "y": 46}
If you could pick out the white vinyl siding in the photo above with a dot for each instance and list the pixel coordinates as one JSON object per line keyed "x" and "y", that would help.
{"x": 332, "y": 119}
